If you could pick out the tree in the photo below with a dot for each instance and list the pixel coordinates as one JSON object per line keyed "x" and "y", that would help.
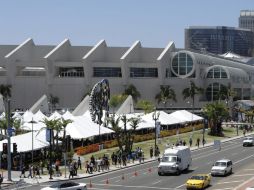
{"x": 52, "y": 125}
{"x": 113, "y": 124}
{"x": 132, "y": 90}
{"x": 64, "y": 123}
{"x": 116, "y": 100}
{"x": 54, "y": 100}
{"x": 5, "y": 90}
{"x": 145, "y": 105}
{"x": 166, "y": 94}
{"x": 134, "y": 122}
{"x": 216, "y": 112}
{"x": 191, "y": 92}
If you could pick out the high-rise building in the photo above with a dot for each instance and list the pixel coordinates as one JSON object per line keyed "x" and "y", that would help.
{"x": 246, "y": 19}
{"x": 220, "y": 39}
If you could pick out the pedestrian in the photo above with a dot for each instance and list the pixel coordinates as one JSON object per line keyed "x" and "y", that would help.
{"x": 71, "y": 170}
{"x": 23, "y": 171}
{"x": 30, "y": 171}
{"x": 203, "y": 142}
{"x": 198, "y": 141}
{"x": 190, "y": 141}
{"x": 151, "y": 152}
{"x": 244, "y": 132}
{"x": 184, "y": 142}
{"x": 41, "y": 166}
{"x": 37, "y": 170}
{"x": 79, "y": 163}
{"x": 1, "y": 181}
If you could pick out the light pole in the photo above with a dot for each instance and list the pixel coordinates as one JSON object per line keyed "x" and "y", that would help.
{"x": 9, "y": 139}
{"x": 50, "y": 154}
{"x": 155, "y": 118}
{"x": 32, "y": 122}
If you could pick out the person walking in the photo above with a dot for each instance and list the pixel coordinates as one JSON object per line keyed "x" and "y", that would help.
{"x": 190, "y": 141}
{"x": 151, "y": 152}
{"x": 198, "y": 141}
{"x": 23, "y": 171}
{"x": 30, "y": 171}
{"x": 71, "y": 170}
{"x": 203, "y": 142}
{"x": 79, "y": 164}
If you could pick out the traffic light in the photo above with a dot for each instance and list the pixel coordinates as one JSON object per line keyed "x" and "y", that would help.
{"x": 15, "y": 148}
{"x": 5, "y": 148}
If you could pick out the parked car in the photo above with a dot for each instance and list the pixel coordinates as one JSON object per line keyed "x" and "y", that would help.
{"x": 199, "y": 181}
{"x": 68, "y": 185}
{"x": 249, "y": 188}
{"x": 222, "y": 167}
{"x": 248, "y": 141}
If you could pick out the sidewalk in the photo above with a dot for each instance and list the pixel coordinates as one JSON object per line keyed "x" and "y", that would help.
{"x": 81, "y": 173}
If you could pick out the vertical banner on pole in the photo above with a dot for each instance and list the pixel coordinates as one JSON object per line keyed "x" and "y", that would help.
{"x": 158, "y": 129}
{"x": 48, "y": 135}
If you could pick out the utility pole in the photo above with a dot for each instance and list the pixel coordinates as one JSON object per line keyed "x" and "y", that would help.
{"x": 9, "y": 139}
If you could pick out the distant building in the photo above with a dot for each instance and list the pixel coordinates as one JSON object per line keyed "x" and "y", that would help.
{"x": 220, "y": 39}
{"x": 246, "y": 19}
{"x": 69, "y": 72}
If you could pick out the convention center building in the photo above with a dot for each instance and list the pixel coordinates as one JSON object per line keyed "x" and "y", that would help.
{"x": 69, "y": 72}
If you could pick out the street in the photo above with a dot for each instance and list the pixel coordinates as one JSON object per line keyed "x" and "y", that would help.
{"x": 145, "y": 176}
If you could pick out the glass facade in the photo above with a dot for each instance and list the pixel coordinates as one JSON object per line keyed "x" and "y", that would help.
{"x": 182, "y": 64}
{"x": 107, "y": 72}
{"x": 213, "y": 90}
{"x": 217, "y": 73}
{"x": 71, "y": 72}
{"x": 143, "y": 72}
{"x": 219, "y": 40}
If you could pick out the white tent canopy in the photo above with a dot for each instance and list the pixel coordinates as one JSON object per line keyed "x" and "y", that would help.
{"x": 186, "y": 116}
{"x": 164, "y": 118}
{"x": 24, "y": 141}
{"x": 84, "y": 127}
{"x": 68, "y": 115}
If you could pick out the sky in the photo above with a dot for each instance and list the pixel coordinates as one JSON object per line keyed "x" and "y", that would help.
{"x": 85, "y": 22}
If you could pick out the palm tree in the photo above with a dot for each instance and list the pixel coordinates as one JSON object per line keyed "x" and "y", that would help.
{"x": 132, "y": 90}
{"x": 116, "y": 100}
{"x": 166, "y": 94}
{"x": 64, "y": 123}
{"x": 114, "y": 125}
{"x": 191, "y": 92}
{"x": 145, "y": 105}
{"x": 134, "y": 122}
{"x": 52, "y": 125}
{"x": 216, "y": 113}
{"x": 5, "y": 90}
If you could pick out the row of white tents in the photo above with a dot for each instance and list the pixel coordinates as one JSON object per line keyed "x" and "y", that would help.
{"x": 83, "y": 127}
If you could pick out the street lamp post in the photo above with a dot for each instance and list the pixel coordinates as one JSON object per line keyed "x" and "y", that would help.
{"x": 32, "y": 122}
{"x": 9, "y": 139}
{"x": 50, "y": 154}
{"x": 155, "y": 118}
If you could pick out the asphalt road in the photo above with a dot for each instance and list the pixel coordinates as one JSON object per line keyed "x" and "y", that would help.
{"x": 145, "y": 176}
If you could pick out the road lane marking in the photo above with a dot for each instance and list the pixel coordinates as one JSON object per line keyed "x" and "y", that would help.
{"x": 225, "y": 188}
{"x": 243, "y": 159}
{"x": 180, "y": 186}
{"x": 136, "y": 187}
{"x": 231, "y": 182}
{"x": 249, "y": 169}
{"x": 206, "y": 155}
{"x": 156, "y": 182}
{"x": 239, "y": 175}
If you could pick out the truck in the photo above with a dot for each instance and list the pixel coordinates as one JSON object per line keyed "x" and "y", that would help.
{"x": 175, "y": 160}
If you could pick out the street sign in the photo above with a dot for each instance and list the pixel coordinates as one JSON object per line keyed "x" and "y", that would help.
{"x": 10, "y": 131}
{"x": 217, "y": 144}
{"x": 48, "y": 135}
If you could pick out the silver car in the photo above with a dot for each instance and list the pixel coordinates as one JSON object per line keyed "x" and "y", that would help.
{"x": 222, "y": 167}
{"x": 248, "y": 141}
{"x": 68, "y": 185}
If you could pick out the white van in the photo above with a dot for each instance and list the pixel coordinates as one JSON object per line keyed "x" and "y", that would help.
{"x": 175, "y": 160}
